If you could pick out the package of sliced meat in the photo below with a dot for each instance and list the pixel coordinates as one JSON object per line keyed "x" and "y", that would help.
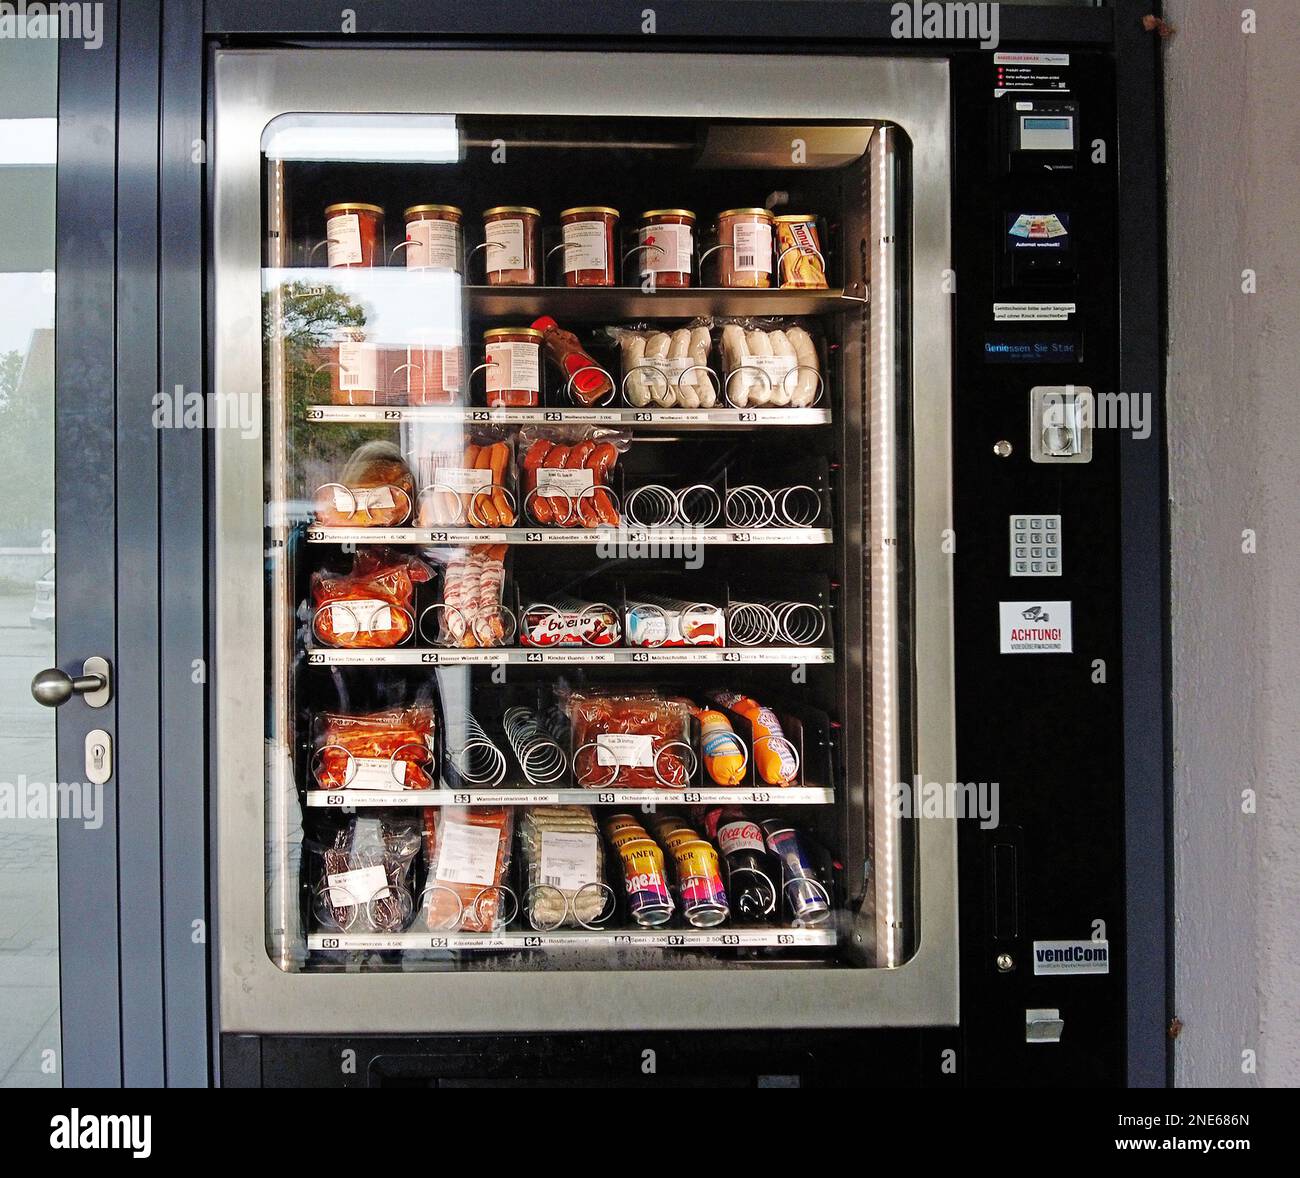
{"x": 467, "y": 856}
{"x": 375, "y": 489}
{"x": 564, "y": 869}
{"x": 667, "y": 368}
{"x": 565, "y": 474}
{"x": 769, "y": 364}
{"x": 471, "y": 611}
{"x": 387, "y": 750}
{"x": 364, "y": 882}
{"x": 373, "y": 605}
{"x": 630, "y": 741}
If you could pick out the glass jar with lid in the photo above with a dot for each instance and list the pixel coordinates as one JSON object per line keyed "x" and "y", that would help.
{"x": 433, "y": 237}
{"x": 590, "y": 245}
{"x": 666, "y": 246}
{"x": 354, "y": 235}
{"x": 514, "y": 366}
{"x": 745, "y": 247}
{"x": 510, "y": 244}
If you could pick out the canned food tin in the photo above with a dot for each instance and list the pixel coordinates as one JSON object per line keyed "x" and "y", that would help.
{"x": 799, "y": 253}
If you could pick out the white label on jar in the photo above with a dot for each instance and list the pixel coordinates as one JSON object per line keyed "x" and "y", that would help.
{"x": 459, "y": 479}
{"x": 572, "y": 483}
{"x": 369, "y": 615}
{"x": 358, "y": 363}
{"x": 568, "y": 861}
{"x": 467, "y": 854}
{"x": 505, "y": 244}
{"x": 671, "y": 252}
{"x": 752, "y": 247}
{"x": 357, "y": 886}
{"x": 433, "y": 369}
{"x": 625, "y": 748}
{"x": 584, "y": 246}
{"x": 740, "y": 836}
{"x": 344, "y": 245}
{"x": 777, "y": 368}
{"x": 433, "y": 245}
{"x": 513, "y": 366}
{"x": 377, "y": 773}
{"x": 356, "y": 499}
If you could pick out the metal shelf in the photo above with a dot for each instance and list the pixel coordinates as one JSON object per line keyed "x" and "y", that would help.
{"x": 574, "y": 656}
{"x": 569, "y": 536}
{"x": 632, "y": 418}
{"x": 602, "y": 302}
{"x": 743, "y": 938}
{"x": 509, "y": 796}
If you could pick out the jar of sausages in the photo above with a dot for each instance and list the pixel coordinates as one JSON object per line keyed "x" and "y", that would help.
{"x": 514, "y": 366}
{"x": 745, "y": 247}
{"x": 666, "y": 246}
{"x": 354, "y": 236}
{"x": 433, "y": 237}
{"x": 590, "y": 245}
{"x": 510, "y": 244}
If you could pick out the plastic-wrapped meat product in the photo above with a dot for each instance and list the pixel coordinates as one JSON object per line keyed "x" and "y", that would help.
{"x": 375, "y": 490}
{"x": 566, "y": 473}
{"x": 365, "y": 883}
{"x": 807, "y": 381}
{"x": 564, "y": 861}
{"x": 372, "y": 606}
{"x": 472, "y": 613}
{"x": 775, "y": 757}
{"x": 392, "y": 749}
{"x": 630, "y": 742}
{"x": 467, "y": 853}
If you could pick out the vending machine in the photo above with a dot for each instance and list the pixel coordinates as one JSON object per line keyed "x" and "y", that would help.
{"x": 670, "y": 602}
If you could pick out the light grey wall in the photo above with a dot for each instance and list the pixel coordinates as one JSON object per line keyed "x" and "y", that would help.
{"x": 1234, "y": 464}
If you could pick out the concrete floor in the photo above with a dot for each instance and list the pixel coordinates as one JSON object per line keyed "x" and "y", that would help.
{"x": 29, "y": 928}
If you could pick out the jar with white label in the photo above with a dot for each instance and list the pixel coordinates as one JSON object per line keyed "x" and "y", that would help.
{"x": 510, "y": 245}
{"x": 355, "y": 369}
{"x": 745, "y": 248}
{"x": 666, "y": 246}
{"x": 433, "y": 238}
{"x": 354, "y": 236}
{"x": 514, "y": 366}
{"x": 590, "y": 245}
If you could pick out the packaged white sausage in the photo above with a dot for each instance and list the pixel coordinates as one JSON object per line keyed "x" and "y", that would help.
{"x": 769, "y": 363}
{"x": 667, "y": 368}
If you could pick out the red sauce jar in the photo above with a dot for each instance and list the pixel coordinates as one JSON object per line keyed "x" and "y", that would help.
{"x": 356, "y": 367}
{"x": 433, "y": 237}
{"x": 590, "y": 245}
{"x": 433, "y": 374}
{"x": 354, "y": 235}
{"x": 666, "y": 243}
{"x": 514, "y": 372}
{"x": 510, "y": 245}
{"x": 745, "y": 247}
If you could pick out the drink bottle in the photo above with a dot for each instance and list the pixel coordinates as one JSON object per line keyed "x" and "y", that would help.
{"x": 751, "y": 882}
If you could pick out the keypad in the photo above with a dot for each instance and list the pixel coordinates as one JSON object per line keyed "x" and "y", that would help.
{"x": 1035, "y": 545}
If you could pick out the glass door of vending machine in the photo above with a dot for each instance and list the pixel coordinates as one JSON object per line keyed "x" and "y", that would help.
{"x": 580, "y": 602}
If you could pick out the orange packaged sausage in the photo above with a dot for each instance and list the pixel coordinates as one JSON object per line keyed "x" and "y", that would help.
{"x": 371, "y": 607}
{"x": 467, "y": 851}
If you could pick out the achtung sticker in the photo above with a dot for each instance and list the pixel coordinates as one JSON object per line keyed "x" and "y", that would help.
{"x": 1035, "y": 627}
{"x": 1071, "y": 957}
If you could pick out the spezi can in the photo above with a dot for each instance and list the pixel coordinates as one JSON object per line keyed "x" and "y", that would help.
{"x": 699, "y": 881}
{"x": 649, "y": 901}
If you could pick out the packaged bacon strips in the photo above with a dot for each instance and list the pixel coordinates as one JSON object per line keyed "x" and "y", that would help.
{"x": 375, "y": 489}
{"x": 566, "y": 473}
{"x": 392, "y": 749}
{"x": 471, "y": 612}
{"x": 371, "y": 607}
{"x": 467, "y": 854}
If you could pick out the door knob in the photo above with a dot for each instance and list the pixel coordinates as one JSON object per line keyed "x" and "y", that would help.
{"x": 53, "y": 687}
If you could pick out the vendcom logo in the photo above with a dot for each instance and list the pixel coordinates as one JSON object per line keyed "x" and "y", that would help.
{"x": 88, "y": 1131}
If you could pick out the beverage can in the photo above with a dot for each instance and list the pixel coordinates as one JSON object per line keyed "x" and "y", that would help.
{"x": 648, "y": 899}
{"x": 699, "y": 883}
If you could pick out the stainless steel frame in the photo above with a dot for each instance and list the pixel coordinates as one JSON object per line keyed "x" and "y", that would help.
{"x": 254, "y": 87}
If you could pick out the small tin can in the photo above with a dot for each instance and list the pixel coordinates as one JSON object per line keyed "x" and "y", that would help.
{"x": 805, "y": 895}
{"x": 799, "y": 253}
{"x": 699, "y": 883}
